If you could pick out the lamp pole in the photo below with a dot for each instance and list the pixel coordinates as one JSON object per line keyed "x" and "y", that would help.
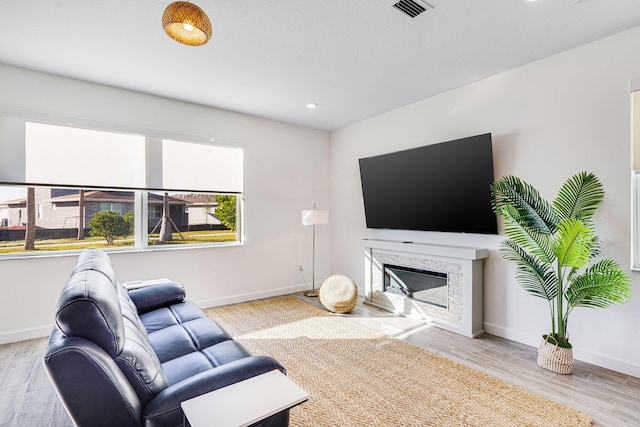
{"x": 312, "y": 292}
{"x": 313, "y": 218}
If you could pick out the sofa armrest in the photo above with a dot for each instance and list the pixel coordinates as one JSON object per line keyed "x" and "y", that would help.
{"x": 165, "y": 406}
{"x": 87, "y": 380}
{"x": 153, "y": 297}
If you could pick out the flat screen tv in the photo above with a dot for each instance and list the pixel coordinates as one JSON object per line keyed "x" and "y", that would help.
{"x": 439, "y": 187}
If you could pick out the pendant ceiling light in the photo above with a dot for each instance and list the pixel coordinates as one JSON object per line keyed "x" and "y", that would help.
{"x": 186, "y": 23}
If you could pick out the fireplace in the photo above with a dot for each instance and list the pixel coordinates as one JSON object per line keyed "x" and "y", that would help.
{"x": 422, "y": 285}
{"x": 440, "y": 284}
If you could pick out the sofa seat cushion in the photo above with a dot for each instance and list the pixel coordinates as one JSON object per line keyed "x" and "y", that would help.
{"x": 187, "y": 310}
{"x": 185, "y": 366}
{"x": 205, "y": 332}
{"x": 225, "y": 352}
{"x": 186, "y": 329}
{"x": 171, "y": 315}
{"x": 191, "y": 364}
{"x": 172, "y": 342}
{"x": 158, "y": 320}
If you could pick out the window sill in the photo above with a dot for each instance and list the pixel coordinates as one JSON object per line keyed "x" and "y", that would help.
{"x": 75, "y": 253}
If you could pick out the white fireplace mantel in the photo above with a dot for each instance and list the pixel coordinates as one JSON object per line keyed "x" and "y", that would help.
{"x": 463, "y": 266}
{"x": 446, "y": 251}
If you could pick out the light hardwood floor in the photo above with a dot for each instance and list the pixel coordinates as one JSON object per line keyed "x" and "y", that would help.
{"x": 610, "y": 398}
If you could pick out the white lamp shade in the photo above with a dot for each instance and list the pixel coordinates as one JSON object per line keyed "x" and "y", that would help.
{"x": 314, "y": 217}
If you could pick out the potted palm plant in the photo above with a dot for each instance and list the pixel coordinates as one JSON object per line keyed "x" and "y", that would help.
{"x": 555, "y": 248}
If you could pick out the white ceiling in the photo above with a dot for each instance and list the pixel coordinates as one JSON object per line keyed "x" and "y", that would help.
{"x": 354, "y": 58}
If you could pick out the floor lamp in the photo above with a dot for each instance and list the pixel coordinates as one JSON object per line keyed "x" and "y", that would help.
{"x": 314, "y": 217}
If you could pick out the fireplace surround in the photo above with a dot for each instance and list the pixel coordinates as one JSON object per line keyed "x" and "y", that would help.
{"x": 407, "y": 278}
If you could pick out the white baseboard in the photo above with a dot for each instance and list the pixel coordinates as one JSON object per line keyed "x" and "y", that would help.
{"x": 235, "y": 299}
{"x": 623, "y": 366}
{"x": 510, "y": 334}
{"x": 25, "y": 334}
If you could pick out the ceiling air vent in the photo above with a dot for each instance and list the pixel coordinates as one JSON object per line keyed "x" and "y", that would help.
{"x": 412, "y": 8}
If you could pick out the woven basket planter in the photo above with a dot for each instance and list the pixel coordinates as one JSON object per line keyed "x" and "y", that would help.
{"x": 555, "y": 358}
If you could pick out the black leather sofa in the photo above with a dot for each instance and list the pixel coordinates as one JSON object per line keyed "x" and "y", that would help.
{"x": 129, "y": 358}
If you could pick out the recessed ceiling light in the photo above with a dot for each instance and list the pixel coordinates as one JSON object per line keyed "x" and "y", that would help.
{"x": 312, "y": 105}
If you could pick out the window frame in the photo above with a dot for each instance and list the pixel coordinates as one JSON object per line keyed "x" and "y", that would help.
{"x": 140, "y": 193}
{"x": 635, "y": 218}
{"x": 635, "y": 173}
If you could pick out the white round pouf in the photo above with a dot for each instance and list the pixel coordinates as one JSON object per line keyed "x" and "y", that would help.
{"x": 338, "y": 294}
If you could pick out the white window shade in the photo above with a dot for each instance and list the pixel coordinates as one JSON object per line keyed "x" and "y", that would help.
{"x": 202, "y": 167}
{"x": 63, "y": 155}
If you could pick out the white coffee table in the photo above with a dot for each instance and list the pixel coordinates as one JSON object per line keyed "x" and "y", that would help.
{"x": 244, "y": 403}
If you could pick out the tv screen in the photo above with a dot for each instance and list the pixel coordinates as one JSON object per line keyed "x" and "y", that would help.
{"x": 438, "y": 187}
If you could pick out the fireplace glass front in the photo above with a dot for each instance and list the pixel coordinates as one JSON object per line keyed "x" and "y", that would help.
{"x": 422, "y": 285}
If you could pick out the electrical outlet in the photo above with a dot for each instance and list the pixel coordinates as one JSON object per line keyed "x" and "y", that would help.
{"x": 300, "y": 268}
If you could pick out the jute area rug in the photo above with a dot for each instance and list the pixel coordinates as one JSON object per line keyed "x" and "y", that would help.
{"x": 356, "y": 376}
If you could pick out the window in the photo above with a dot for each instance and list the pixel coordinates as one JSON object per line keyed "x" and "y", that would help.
{"x": 113, "y": 207}
{"x": 155, "y": 213}
{"x": 59, "y": 230}
{"x": 192, "y": 218}
{"x": 186, "y": 193}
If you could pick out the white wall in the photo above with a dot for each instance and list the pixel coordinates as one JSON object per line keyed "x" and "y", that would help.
{"x": 549, "y": 119}
{"x": 286, "y": 170}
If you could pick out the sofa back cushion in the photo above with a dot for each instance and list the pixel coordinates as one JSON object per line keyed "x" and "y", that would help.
{"x": 95, "y": 306}
{"x": 129, "y": 309}
{"x": 139, "y": 363}
{"x": 97, "y": 260}
{"x": 89, "y": 308}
